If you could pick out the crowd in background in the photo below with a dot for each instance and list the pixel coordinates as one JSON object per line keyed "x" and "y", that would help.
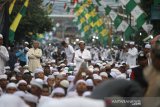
{"x": 80, "y": 76}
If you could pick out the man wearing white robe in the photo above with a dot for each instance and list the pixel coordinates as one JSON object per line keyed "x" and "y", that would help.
{"x": 82, "y": 54}
{"x": 4, "y": 56}
{"x": 132, "y": 55}
{"x": 34, "y": 55}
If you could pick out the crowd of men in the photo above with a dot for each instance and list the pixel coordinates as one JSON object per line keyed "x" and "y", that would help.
{"x": 77, "y": 77}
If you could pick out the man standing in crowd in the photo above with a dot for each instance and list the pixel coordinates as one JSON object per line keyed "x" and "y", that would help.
{"x": 69, "y": 52}
{"x": 132, "y": 55}
{"x": 4, "y": 56}
{"x": 82, "y": 54}
{"x": 34, "y": 55}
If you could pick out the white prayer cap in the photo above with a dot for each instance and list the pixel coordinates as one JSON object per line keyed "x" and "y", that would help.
{"x": 21, "y": 82}
{"x": 16, "y": 64}
{"x": 9, "y": 100}
{"x": 53, "y": 61}
{"x": 86, "y": 93}
{"x": 103, "y": 74}
{"x": 7, "y": 67}
{"x": 11, "y": 85}
{"x": 115, "y": 72}
{"x": 96, "y": 69}
{"x": 13, "y": 78}
{"x": 97, "y": 77}
{"x": 62, "y": 65}
{"x": 131, "y": 43}
{"x": 26, "y": 71}
{"x": 70, "y": 78}
{"x": 58, "y": 90}
{"x": 64, "y": 83}
{"x": 71, "y": 64}
{"x": 30, "y": 98}
{"x": 56, "y": 73}
{"x": 148, "y": 46}
{"x": 26, "y": 43}
{"x": 81, "y": 41}
{"x": 89, "y": 82}
{"x": 51, "y": 76}
{"x": 1, "y": 36}
{"x": 26, "y": 66}
{"x": 19, "y": 94}
{"x": 38, "y": 70}
{"x": 121, "y": 76}
{"x": 80, "y": 81}
{"x": 37, "y": 82}
{"x": 16, "y": 69}
{"x": 4, "y": 76}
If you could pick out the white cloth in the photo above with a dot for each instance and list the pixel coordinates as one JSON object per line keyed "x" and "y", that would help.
{"x": 34, "y": 56}
{"x": 4, "y": 57}
{"x": 69, "y": 53}
{"x": 132, "y": 56}
{"x": 81, "y": 56}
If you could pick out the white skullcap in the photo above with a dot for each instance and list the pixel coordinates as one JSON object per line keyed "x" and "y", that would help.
{"x": 64, "y": 83}
{"x": 11, "y": 85}
{"x": 62, "y": 65}
{"x": 56, "y": 73}
{"x": 26, "y": 66}
{"x": 19, "y": 93}
{"x": 30, "y": 98}
{"x": 89, "y": 82}
{"x": 71, "y": 64}
{"x": 38, "y": 70}
{"x": 9, "y": 100}
{"x": 51, "y": 76}
{"x": 86, "y": 93}
{"x": 58, "y": 90}
{"x": 7, "y": 68}
{"x": 26, "y": 71}
{"x": 116, "y": 71}
{"x": 13, "y": 78}
{"x": 121, "y": 76}
{"x": 37, "y": 82}
{"x": 96, "y": 69}
{"x": 21, "y": 82}
{"x": 16, "y": 69}
{"x": 97, "y": 77}
{"x": 131, "y": 43}
{"x": 80, "y": 81}
{"x": 26, "y": 43}
{"x": 4, "y": 76}
{"x": 1, "y": 36}
{"x": 70, "y": 78}
{"x": 103, "y": 74}
{"x": 16, "y": 64}
{"x": 81, "y": 41}
{"x": 148, "y": 46}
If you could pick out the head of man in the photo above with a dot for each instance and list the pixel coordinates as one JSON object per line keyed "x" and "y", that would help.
{"x": 81, "y": 87}
{"x": 142, "y": 60}
{"x": 11, "y": 88}
{"x": 82, "y": 45}
{"x": 64, "y": 44}
{"x": 36, "y": 87}
{"x": 1, "y": 39}
{"x": 36, "y": 44}
{"x": 3, "y": 81}
{"x": 22, "y": 85}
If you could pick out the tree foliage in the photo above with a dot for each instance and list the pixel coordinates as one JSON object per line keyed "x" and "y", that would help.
{"x": 35, "y": 21}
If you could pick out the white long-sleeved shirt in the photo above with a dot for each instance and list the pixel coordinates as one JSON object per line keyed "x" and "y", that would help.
{"x": 132, "y": 56}
{"x": 81, "y": 56}
{"x": 4, "y": 57}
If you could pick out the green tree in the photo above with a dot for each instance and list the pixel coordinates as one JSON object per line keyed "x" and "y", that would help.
{"x": 36, "y": 19}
